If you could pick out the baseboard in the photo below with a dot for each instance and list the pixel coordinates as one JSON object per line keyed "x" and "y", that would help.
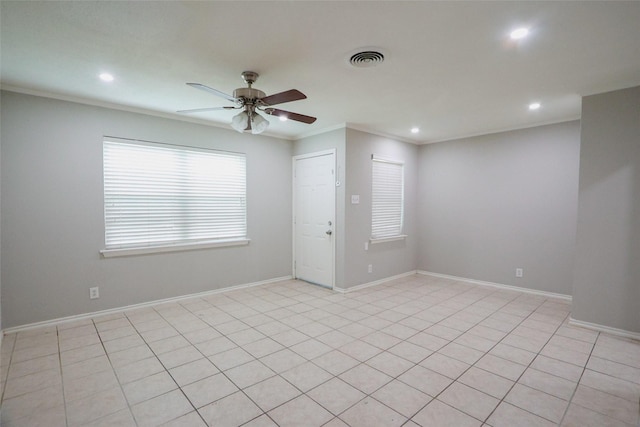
{"x": 141, "y": 305}
{"x": 601, "y": 328}
{"x": 498, "y": 285}
{"x": 374, "y": 283}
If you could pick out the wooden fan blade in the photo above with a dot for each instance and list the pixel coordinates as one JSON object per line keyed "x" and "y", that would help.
{"x": 290, "y": 116}
{"x": 282, "y": 97}
{"x": 213, "y": 91}
{"x": 201, "y": 110}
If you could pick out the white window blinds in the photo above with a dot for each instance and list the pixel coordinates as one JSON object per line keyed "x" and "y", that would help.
{"x": 387, "y": 198}
{"x": 158, "y": 195}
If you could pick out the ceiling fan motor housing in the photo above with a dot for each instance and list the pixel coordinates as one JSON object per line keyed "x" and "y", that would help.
{"x": 248, "y": 93}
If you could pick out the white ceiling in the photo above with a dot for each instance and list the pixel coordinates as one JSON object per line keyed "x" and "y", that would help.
{"x": 450, "y": 67}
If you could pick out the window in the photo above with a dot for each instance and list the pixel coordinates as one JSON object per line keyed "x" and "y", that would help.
{"x": 159, "y": 195}
{"x": 387, "y": 199}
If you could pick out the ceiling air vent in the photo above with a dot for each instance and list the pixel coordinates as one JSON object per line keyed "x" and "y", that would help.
{"x": 367, "y": 58}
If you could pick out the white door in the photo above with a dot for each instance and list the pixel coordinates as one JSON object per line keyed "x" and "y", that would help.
{"x": 314, "y": 217}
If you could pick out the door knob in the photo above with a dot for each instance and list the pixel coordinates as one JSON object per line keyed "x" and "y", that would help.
{"x": 329, "y": 232}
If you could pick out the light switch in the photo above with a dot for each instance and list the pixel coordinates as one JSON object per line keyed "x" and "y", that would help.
{"x": 355, "y": 199}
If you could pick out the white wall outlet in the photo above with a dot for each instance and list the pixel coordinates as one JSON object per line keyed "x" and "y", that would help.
{"x": 355, "y": 199}
{"x": 519, "y": 272}
{"x": 370, "y": 268}
{"x": 94, "y": 293}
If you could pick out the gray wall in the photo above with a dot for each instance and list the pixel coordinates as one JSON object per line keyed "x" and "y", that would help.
{"x": 476, "y": 207}
{"x": 52, "y": 212}
{"x": 606, "y": 286}
{"x": 388, "y": 258}
{"x": 493, "y": 203}
{"x": 353, "y": 222}
{"x": 1, "y": 334}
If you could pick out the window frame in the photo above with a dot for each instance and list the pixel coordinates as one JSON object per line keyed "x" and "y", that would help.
{"x": 380, "y": 238}
{"x": 182, "y": 158}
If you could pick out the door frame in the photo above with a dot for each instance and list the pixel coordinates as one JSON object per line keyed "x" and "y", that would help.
{"x": 294, "y": 159}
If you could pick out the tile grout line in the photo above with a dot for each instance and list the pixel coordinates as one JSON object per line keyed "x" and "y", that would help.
{"x": 525, "y": 370}
{"x": 400, "y": 297}
{"x": 266, "y": 413}
{"x": 372, "y": 332}
{"x": 494, "y": 311}
{"x": 106, "y": 353}
{"x": 241, "y": 389}
{"x": 311, "y": 361}
{"x": 167, "y": 370}
{"x": 370, "y": 395}
{"x": 600, "y": 334}
{"x": 222, "y": 372}
{"x": 410, "y": 419}
{"x": 471, "y": 365}
{"x": 6, "y": 380}
{"x": 64, "y": 398}
{"x": 397, "y": 321}
{"x": 277, "y": 374}
{"x": 487, "y": 352}
{"x": 575, "y": 389}
{"x": 426, "y": 357}
{"x": 450, "y": 341}
{"x": 11, "y": 362}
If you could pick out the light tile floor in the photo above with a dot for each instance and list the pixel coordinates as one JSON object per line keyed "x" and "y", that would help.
{"x": 417, "y": 351}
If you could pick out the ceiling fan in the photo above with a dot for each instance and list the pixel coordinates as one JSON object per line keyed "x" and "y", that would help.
{"x": 250, "y": 101}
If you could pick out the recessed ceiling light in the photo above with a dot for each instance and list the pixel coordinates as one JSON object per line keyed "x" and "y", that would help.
{"x": 106, "y": 77}
{"x": 519, "y": 33}
{"x": 534, "y": 106}
{"x": 283, "y": 118}
{"x": 415, "y": 130}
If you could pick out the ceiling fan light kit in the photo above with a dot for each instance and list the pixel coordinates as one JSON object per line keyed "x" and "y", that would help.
{"x": 258, "y": 123}
{"x": 245, "y": 122}
{"x": 249, "y": 100}
{"x": 240, "y": 122}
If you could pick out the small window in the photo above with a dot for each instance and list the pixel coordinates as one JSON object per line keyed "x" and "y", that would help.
{"x": 158, "y": 195}
{"x": 387, "y": 199}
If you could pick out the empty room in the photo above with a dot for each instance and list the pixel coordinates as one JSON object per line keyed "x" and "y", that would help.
{"x": 319, "y": 213}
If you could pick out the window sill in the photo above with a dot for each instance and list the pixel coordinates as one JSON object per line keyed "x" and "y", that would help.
{"x": 387, "y": 239}
{"x": 112, "y": 253}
